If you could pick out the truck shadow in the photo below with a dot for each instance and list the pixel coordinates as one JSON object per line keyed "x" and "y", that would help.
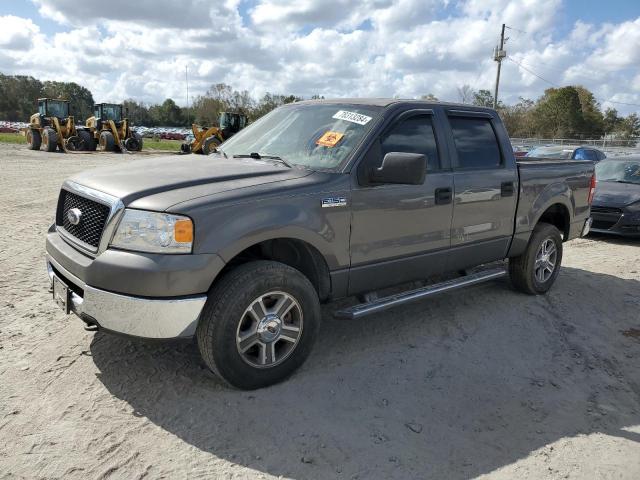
{"x": 452, "y": 387}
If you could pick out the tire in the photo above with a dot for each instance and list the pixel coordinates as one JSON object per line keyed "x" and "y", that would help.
{"x": 88, "y": 142}
{"x": 49, "y": 139}
{"x": 133, "y": 143}
{"x": 530, "y": 272}
{"x": 209, "y": 145}
{"x": 225, "y": 318}
{"x": 74, "y": 143}
{"x": 138, "y": 137}
{"x": 106, "y": 142}
{"x": 34, "y": 139}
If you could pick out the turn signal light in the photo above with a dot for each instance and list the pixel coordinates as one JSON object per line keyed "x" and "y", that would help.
{"x": 183, "y": 231}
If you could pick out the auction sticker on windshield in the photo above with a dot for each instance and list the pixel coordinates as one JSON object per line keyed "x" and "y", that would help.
{"x": 352, "y": 117}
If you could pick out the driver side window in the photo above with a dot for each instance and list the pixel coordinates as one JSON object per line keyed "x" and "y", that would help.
{"x": 413, "y": 135}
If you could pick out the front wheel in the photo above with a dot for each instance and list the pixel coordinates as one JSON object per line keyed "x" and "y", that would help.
{"x": 259, "y": 324}
{"x": 536, "y": 269}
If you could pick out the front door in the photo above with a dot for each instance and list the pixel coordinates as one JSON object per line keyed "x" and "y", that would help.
{"x": 401, "y": 233}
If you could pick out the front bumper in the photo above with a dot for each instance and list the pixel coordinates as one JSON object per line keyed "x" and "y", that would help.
{"x": 145, "y": 317}
{"x": 622, "y": 223}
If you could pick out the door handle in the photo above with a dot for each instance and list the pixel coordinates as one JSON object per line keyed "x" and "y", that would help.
{"x": 443, "y": 196}
{"x": 507, "y": 189}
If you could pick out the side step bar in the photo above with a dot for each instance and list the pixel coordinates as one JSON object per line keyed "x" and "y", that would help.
{"x": 384, "y": 303}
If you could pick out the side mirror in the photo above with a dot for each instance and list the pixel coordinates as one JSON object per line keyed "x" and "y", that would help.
{"x": 403, "y": 168}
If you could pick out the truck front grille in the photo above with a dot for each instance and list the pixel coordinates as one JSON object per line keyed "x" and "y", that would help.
{"x": 93, "y": 217}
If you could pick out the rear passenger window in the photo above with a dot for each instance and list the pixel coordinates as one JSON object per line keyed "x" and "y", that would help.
{"x": 475, "y": 142}
{"x": 413, "y": 135}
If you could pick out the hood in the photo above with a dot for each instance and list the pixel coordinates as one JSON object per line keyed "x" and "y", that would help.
{"x": 614, "y": 194}
{"x": 185, "y": 176}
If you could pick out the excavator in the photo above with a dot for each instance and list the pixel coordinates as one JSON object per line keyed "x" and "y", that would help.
{"x": 108, "y": 131}
{"x": 205, "y": 140}
{"x": 52, "y": 127}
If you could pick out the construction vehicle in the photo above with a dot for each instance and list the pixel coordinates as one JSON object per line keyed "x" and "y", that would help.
{"x": 109, "y": 131}
{"x": 53, "y": 127}
{"x": 205, "y": 140}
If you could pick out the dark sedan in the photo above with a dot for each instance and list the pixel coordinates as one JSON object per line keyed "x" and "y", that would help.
{"x": 616, "y": 204}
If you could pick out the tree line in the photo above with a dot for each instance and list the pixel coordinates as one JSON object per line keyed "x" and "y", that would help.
{"x": 566, "y": 112}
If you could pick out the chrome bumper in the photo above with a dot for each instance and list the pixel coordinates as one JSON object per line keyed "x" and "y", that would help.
{"x": 140, "y": 317}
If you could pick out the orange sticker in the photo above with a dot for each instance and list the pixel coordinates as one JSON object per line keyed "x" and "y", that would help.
{"x": 330, "y": 139}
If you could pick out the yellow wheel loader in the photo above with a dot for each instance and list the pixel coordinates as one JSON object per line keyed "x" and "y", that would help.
{"x": 109, "y": 131}
{"x": 205, "y": 140}
{"x": 52, "y": 127}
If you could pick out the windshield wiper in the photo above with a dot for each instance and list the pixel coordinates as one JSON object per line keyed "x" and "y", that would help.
{"x": 626, "y": 181}
{"x": 257, "y": 156}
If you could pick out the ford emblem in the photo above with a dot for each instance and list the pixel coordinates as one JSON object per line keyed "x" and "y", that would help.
{"x": 74, "y": 216}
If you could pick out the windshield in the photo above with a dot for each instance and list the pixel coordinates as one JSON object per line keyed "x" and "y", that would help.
{"x": 318, "y": 136}
{"x": 57, "y": 109}
{"x": 111, "y": 112}
{"x": 619, "y": 171}
{"x": 551, "y": 152}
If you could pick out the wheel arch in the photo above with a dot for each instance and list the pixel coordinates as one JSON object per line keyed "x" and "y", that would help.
{"x": 294, "y": 252}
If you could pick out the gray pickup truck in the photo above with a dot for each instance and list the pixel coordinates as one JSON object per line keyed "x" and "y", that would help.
{"x": 315, "y": 201}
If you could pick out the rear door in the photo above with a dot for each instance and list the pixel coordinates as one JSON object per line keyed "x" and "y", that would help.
{"x": 401, "y": 233}
{"x": 485, "y": 189}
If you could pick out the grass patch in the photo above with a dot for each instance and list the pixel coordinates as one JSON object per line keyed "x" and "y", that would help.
{"x": 148, "y": 143}
{"x": 12, "y": 138}
{"x": 166, "y": 145}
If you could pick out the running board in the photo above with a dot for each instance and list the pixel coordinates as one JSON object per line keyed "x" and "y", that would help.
{"x": 384, "y": 303}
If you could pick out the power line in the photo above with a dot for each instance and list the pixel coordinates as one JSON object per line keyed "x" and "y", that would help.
{"x": 532, "y": 72}
{"x": 558, "y": 86}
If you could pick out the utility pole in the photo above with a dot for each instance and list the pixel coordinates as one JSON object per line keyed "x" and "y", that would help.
{"x": 498, "y": 54}
{"x": 186, "y": 77}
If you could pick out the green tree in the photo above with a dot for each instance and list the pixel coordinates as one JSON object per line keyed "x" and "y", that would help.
{"x": 558, "y": 113}
{"x": 483, "y": 98}
{"x": 592, "y": 118}
{"x": 611, "y": 120}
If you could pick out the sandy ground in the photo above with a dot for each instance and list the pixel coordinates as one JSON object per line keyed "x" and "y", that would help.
{"x": 484, "y": 382}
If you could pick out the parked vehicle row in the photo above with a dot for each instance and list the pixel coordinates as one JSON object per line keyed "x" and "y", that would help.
{"x": 567, "y": 152}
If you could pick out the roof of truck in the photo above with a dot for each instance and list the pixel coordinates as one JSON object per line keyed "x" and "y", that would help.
{"x": 385, "y": 102}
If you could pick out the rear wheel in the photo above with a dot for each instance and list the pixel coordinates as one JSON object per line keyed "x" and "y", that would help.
{"x": 210, "y": 144}
{"x": 537, "y": 268}
{"x": 106, "y": 142}
{"x": 88, "y": 142}
{"x": 49, "y": 139}
{"x": 259, "y": 324}
{"x": 133, "y": 143}
{"x": 74, "y": 143}
{"x": 34, "y": 139}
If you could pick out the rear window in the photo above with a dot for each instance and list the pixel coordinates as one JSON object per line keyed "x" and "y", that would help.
{"x": 475, "y": 142}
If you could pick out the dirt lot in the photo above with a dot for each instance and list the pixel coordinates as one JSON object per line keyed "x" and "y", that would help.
{"x": 484, "y": 382}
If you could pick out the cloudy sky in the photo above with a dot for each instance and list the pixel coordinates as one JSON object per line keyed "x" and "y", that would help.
{"x": 407, "y": 48}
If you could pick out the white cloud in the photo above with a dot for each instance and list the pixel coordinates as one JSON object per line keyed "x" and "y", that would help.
{"x": 17, "y": 34}
{"x": 329, "y": 47}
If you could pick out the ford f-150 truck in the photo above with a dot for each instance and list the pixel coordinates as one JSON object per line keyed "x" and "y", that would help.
{"x": 315, "y": 201}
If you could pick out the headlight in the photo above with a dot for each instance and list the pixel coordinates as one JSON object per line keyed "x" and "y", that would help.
{"x": 634, "y": 207}
{"x": 153, "y": 232}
